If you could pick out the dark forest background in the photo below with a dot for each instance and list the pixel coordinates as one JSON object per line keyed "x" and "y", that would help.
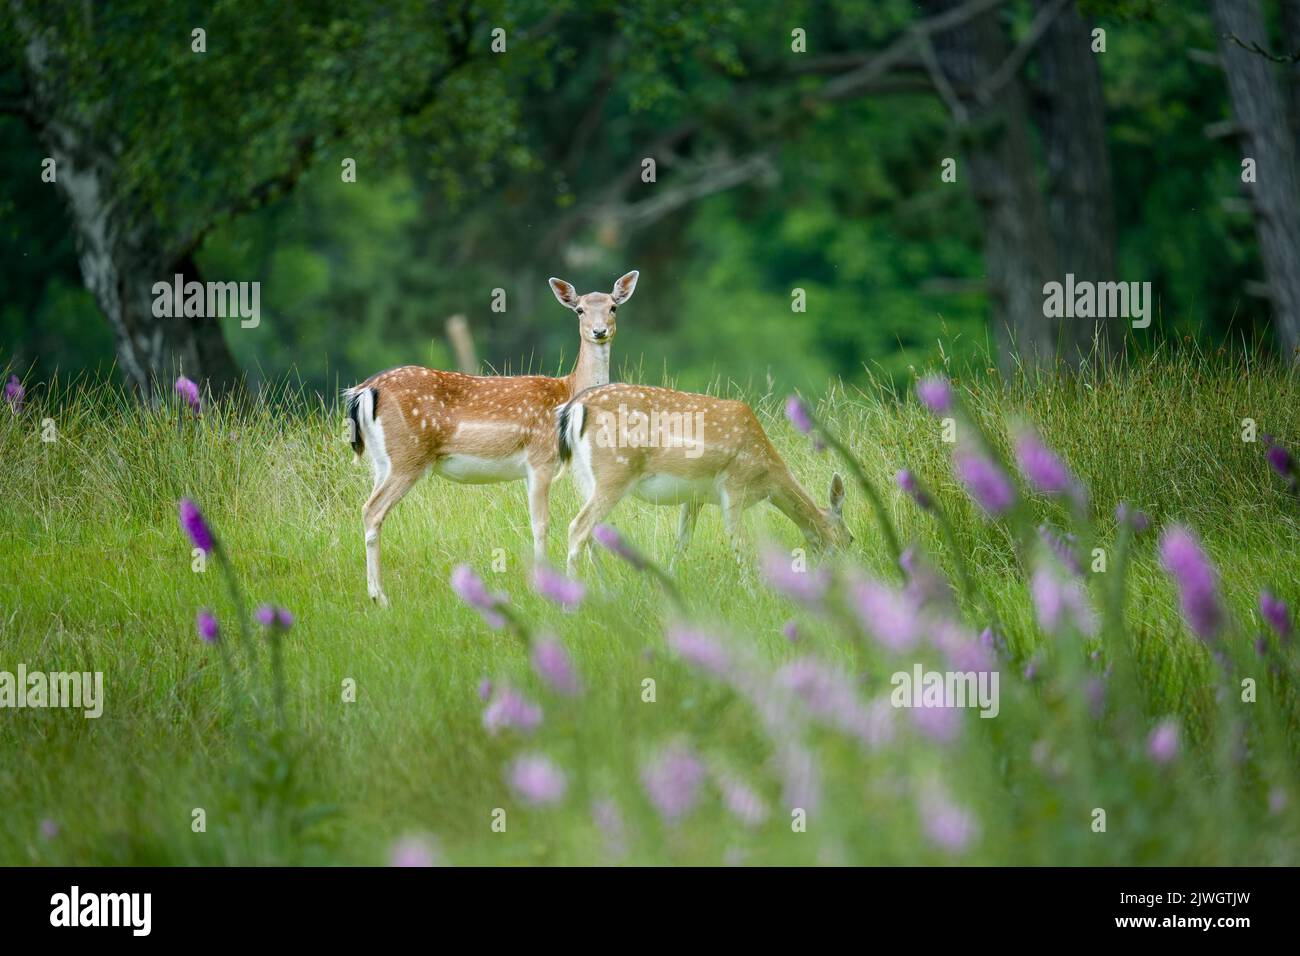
{"x": 775, "y": 170}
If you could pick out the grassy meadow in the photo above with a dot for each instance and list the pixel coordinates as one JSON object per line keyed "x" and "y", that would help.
{"x": 96, "y": 575}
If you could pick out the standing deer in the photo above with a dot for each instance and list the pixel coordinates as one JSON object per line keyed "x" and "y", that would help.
{"x": 475, "y": 429}
{"x": 669, "y": 447}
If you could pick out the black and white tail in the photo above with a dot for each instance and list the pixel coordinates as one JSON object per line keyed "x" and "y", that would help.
{"x": 361, "y": 412}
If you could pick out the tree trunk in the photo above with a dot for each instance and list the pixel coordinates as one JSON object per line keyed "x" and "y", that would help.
{"x": 999, "y": 165}
{"x": 119, "y": 248}
{"x": 1267, "y": 139}
{"x": 1071, "y": 115}
{"x": 1291, "y": 46}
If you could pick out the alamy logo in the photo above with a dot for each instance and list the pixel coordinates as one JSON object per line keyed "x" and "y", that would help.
{"x": 1098, "y": 300}
{"x": 636, "y": 429}
{"x": 922, "y": 688}
{"x": 77, "y": 689}
{"x": 103, "y": 909}
{"x": 210, "y": 300}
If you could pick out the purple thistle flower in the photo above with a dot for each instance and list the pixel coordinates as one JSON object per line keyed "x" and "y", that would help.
{"x": 994, "y": 642}
{"x": 797, "y": 412}
{"x": 947, "y": 825}
{"x": 49, "y": 828}
{"x": 609, "y": 538}
{"x": 791, "y": 631}
{"x": 14, "y": 394}
{"x": 939, "y": 722}
{"x": 556, "y": 587}
{"x": 1137, "y": 520}
{"x": 190, "y": 392}
{"x": 192, "y": 524}
{"x": 536, "y": 780}
{"x": 741, "y": 800}
{"x": 807, "y": 586}
{"x": 699, "y": 649}
{"x": 413, "y": 851}
{"x": 886, "y": 614}
{"x": 935, "y": 393}
{"x": 484, "y": 689}
{"x": 1184, "y": 560}
{"x": 672, "y": 781}
{"x": 270, "y": 616}
{"x": 1060, "y": 603}
{"x": 1162, "y": 745}
{"x": 1275, "y": 613}
{"x": 828, "y": 695}
{"x": 1280, "y": 460}
{"x": 1040, "y": 465}
{"x": 470, "y": 588}
{"x": 907, "y": 481}
{"x": 1063, "y": 547}
{"x": 553, "y": 665}
{"x": 206, "y": 623}
{"x": 511, "y": 710}
{"x": 985, "y": 482}
{"x": 963, "y": 651}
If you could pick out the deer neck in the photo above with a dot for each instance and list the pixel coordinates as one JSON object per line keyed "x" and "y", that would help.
{"x": 591, "y": 368}
{"x": 792, "y": 501}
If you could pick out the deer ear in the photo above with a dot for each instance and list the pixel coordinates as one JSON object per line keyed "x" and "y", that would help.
{"x": 837, "y": 494}
{"x": 565, "y": 292}
{"x": 624, "y": 287}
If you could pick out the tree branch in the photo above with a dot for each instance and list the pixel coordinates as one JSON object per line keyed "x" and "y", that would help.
{"x": 1254, "y": 47}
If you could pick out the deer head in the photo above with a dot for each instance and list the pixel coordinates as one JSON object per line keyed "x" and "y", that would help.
{"x": 597, "y": 311}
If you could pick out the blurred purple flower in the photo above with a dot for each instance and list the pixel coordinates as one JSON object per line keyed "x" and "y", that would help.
{"x": 270, "y": 616}
{"x": 797, "y": 412}
{"x": 741, "y": 800}
{"x": 994, "y": 642}
{"x": 672, "y": 780}
{"x": 1040, "y": 466}
{"x": 511, "y": 710}
{"x": 49, "y": 828}
{"x": 190, "y": 392}
{"x": 15, "y": 394}
{"x": 1162, "y": 745}
{"x": 553, "y": 665}
{"x": 791, "y": 631}
{"x": 1275, "y": 613}
{"x": 1280, "y": 460}
{"x": 947, "y": 825}
{"x": 1277, "y": 801}
{"x": 699, "y": 649}
{"x": 1135, "y": 519}
{"x": 536, "y": 780}
{"x": 801, "y": 785}
{"x": 609, "y": 538}
{"x": 206, "y": 624}
{"x": 939, "y": 722}
{"x": 556, "y": 587}
{"x": 484, "y": 689}
{"x": 471, "y": 589}
{"x": 807, "y": 586}
{"x": 1059, "y": 603}
{"x": 413, "y": 851}
{"x": 935, "y": 393}
{"x": 827, "y": 694}
{"x": 985, "y": 482}
{"x": 907, "y": 481}
{"x": 1063, "y": 547}
{"x": 192, "y": 524}
{"x": 1184, "y": 560}
{"x": 886, "y": 614}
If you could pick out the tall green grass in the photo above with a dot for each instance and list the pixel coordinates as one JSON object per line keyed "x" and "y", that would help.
{"x": 95, "y": 575}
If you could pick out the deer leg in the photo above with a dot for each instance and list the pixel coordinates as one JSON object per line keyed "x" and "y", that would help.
{"x": 387, "y": 493}
{"x": 733, "y": 512}
{"x": 539, "y": 507}
{"x": 685, "y": 530}
{"x": 601, "y": 503}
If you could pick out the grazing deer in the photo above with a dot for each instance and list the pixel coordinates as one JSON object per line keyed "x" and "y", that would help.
{"x": 669, "y": 447}
{"x": 475, "y": 428}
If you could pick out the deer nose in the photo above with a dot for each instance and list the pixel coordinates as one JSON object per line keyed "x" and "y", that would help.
{"x": 600, "y": 333}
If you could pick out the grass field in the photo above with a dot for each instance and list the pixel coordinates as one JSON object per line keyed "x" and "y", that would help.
{"x": 96, "y": 575}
